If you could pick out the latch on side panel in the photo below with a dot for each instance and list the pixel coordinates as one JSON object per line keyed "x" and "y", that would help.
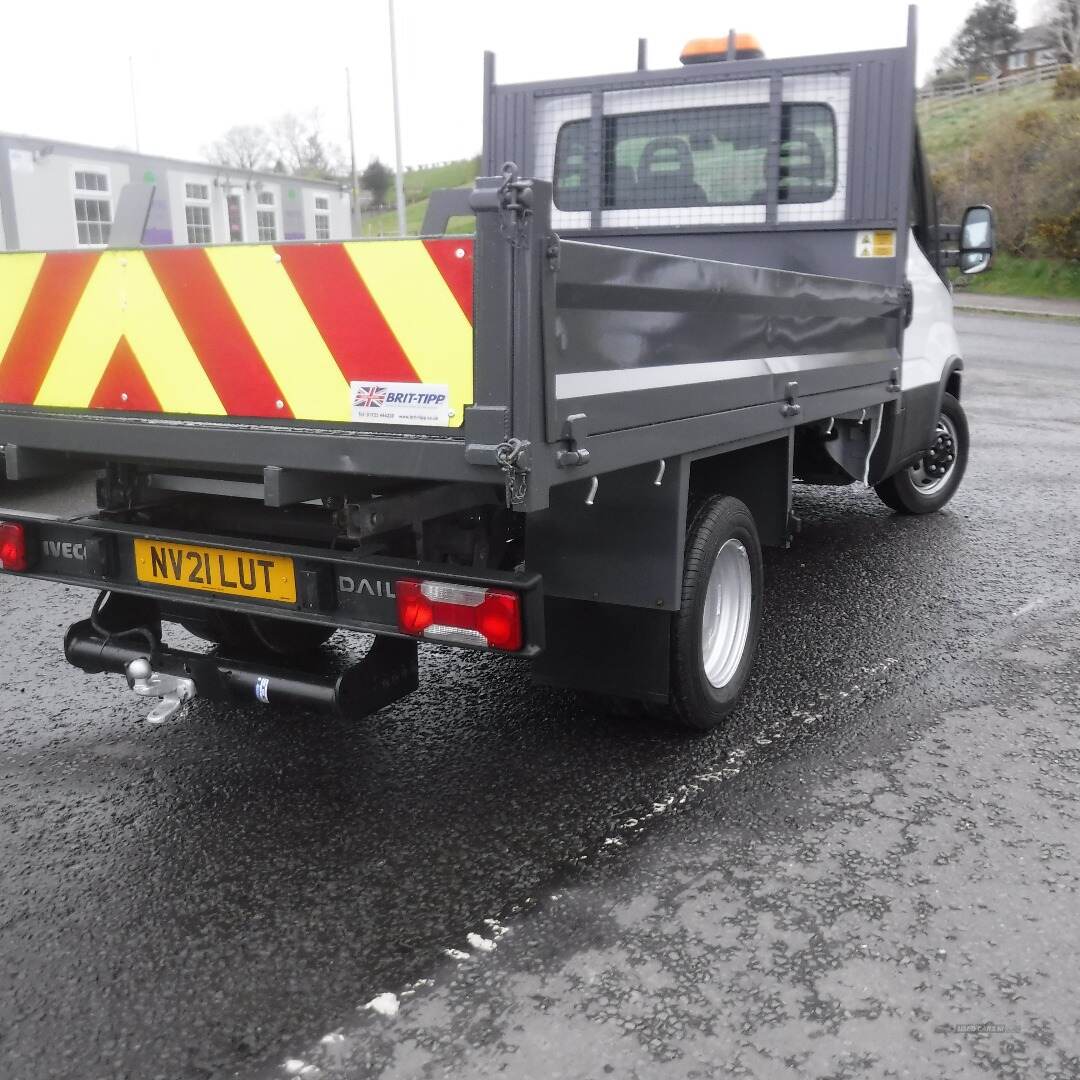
{"x": 791, "y": 406}
{"x": 573, "y": 435}
{"x": 513, "y": 199}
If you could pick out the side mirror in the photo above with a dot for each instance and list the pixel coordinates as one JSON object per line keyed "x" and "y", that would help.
{"x": 977, "y": 240}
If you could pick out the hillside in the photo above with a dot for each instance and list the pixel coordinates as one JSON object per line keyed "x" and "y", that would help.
{"x": 419, "y": 184}
{"x": 948, "y": 126}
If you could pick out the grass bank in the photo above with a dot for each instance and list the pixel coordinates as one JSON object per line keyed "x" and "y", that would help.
{"x": 1012, "y": 276}
{"x": 948, "y": 130}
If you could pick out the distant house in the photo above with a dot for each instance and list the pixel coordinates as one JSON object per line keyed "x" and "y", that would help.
{"x": 56, "y": 195}
{"x": 1036, "y": 47}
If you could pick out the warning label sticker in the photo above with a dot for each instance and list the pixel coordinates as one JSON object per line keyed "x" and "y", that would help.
{"x": 421, "y": 404}
{"x": 875, "y": 244}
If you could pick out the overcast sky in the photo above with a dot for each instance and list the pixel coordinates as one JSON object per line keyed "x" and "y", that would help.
{"x": 200, "y": 69}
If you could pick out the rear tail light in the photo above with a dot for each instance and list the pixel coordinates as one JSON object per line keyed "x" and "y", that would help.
{"x": 460, "y": 614}
{"x": 13, "y": 552}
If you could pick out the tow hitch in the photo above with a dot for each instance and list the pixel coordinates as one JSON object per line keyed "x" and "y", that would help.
{"x": 388, "y": 672}
{"x": 172, "y": 690}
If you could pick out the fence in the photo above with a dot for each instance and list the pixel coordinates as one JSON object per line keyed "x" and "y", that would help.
{"x": 932, "y": 98}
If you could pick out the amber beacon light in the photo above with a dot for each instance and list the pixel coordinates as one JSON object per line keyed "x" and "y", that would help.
{"x": 711, "y": 50}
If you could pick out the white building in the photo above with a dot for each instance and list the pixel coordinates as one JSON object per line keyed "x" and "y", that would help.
{"x": 56, "y": 195}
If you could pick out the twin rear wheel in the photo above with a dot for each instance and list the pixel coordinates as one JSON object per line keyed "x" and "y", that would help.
{"x": 932, "y": 481}
{"x": 715, "y": 633}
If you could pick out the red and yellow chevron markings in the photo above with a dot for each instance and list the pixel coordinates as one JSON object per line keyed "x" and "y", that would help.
{"x": 248, "y": 331}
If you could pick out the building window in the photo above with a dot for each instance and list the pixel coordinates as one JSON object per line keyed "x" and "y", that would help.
{"x": 93, "y": 209}
{"x": 266, "y": 216}
{"x": 91, "y": 181}
{"x": 197, "y": 213}
{"x": 322, "y": 217}
{"x": 198, "y": 225}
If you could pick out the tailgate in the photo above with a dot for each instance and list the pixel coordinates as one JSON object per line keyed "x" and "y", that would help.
{"x": 375, "y": 334}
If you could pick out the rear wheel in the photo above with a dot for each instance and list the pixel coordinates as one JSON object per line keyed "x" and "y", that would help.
{"x": 716, "y": 632}
{"x": 932, "y": 481}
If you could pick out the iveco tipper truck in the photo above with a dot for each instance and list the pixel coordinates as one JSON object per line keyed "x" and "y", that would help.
{"x": 565, "y": 437}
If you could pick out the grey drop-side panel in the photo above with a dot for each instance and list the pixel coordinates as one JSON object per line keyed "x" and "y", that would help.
{"x": 642, "y": 337}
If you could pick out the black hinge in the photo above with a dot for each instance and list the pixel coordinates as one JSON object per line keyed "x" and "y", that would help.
{"x": 553, "y": 253}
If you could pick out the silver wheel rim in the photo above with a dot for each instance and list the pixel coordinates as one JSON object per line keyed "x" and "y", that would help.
{"x": 725, "y": 622}
{"x": 935, "y": 467}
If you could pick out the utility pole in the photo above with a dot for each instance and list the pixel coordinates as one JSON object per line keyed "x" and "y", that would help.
{"x": 134, "y": 111}
{"x": 354, "y": 205}
{"x": 399, "y": 185}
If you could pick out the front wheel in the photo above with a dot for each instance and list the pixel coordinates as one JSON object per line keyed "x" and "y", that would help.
{"x": 715, "y": 634}
{"x": 932, "y": 481}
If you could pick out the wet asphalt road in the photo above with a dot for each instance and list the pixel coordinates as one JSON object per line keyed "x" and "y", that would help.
{"x": 880, "y": 849}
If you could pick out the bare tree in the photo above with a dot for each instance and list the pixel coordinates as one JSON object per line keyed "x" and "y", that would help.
{"x": 1063, "y": 18}
{"x": 288, "y": 134}
{"x": 245, "y": 146}
{"x": 301, "y": 147}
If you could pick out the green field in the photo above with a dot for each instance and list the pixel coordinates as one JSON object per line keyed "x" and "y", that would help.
{"x": 948, "y": 129}
{"x": 419, "y": 184}
{"x": 1010, "y": 276}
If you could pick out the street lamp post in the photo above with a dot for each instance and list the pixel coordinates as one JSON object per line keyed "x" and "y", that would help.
{"x": 354, "y": 190}
{"x": 399, "y": 184}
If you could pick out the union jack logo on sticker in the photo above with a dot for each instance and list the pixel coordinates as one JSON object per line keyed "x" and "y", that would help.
{"x": 412, "y": 404}
{"x": 370, "y": 397}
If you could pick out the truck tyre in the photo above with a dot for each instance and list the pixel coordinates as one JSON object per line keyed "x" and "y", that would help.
{"x": 932, "y": 481}
{"x": 715, "y": 633}
{"x": 257, "y": 633}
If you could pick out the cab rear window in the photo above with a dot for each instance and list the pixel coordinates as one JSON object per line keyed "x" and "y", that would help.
{"x": 715, "y": 156}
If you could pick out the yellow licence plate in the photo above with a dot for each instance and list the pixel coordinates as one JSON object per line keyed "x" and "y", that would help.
{"x": 216, "y": 570}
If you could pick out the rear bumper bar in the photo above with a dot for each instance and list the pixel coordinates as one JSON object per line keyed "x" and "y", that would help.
{"x": 387, "y": 673}
{"x": 333, "y": 588}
